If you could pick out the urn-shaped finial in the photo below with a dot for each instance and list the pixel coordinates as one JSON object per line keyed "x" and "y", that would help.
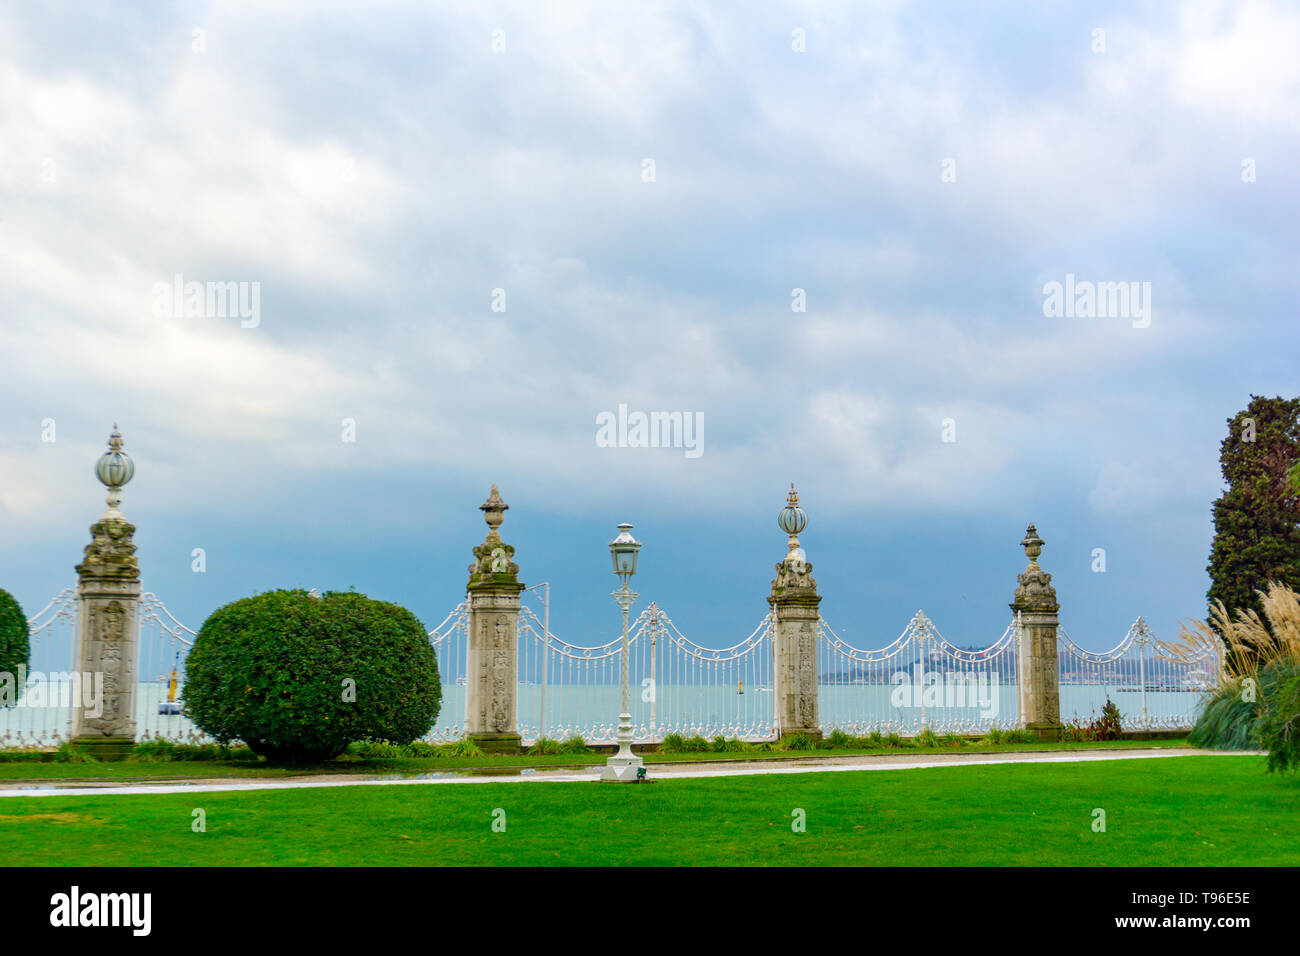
{"x": 1033, "y": 545}
{"x": 114, "y": 469}
{"x": 494, "y": 512}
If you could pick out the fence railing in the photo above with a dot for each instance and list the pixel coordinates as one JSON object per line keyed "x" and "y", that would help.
{"x": 678, "y": 686}
{"x": 43, "y": 715}
{"x": 920, "y": 680}
{"x": 1152, "y": 688}
{"x": 450, "y": 641}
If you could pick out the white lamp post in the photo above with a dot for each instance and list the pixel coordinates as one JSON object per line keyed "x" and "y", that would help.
{"x": 624, "y": 766}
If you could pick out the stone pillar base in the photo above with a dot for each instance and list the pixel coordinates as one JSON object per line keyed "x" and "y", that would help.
{"x": 1045, "y": 731}
{"x": 105, "y": 748}
{"x": 497, "y": 743}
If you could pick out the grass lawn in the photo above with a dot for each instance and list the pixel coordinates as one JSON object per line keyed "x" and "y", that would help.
{"x": 1181, "y": 811}
{"x": 18, "y": 772}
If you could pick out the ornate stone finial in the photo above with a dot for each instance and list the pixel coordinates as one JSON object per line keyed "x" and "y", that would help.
{"x": 1033, "y": 545}
{"x": 114, "y": 469}
{"x": 493, "y": 559}
{"x": 494, "y": 512}
{"x": 1034, "y": 591}
{"x": 792, "y": 520}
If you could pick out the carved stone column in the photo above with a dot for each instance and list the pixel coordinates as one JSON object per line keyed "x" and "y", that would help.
{"x": 1035, "y": 601}
{"x": 108, "y": 587}
{"x": 492, "y": 668}
{"x": 794, "y": 600}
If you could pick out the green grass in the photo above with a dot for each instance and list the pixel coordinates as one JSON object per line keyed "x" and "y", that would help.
{"x": 1190, "y": 811}
{"x": 19, "y": 772}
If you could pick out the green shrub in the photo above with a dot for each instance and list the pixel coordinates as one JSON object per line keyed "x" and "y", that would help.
{"x": 15, "y": 649}
{"x": 994, "y": 736}
{"x": 926, "y": 739}
{"x": 1278, "y": 726}
{"x": 1018, "y": 736}
{"x": 157, "y": 750}
{"x": 1076, "y": 732}
{"x": 1263, "y": 656}
{"x": 69, "y": 752}
{"x": 1108, "y": 726}
{"x": 1228, "y": 721}
{"x": 160, "y": 749}
{"x": 672, "y": 744}
{"x": 460, "y": 748}
{"x": 893, "y": 740}
{"x": 545, "y": 746}
{"x": 695, "y": 745}
{"x": 574, "y": 745}
{"x": 23, "y": 755}
{"x": 876, "y": 739}
{"x": 837, "y": 740}
{"x": 273, "y": 671}
{"x": 377, "y": 750}
{"x": 797, "y": 742}
{"x": 953, "y": 740}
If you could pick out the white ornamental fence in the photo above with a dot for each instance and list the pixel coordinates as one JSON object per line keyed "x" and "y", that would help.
{"x": 920, "y": 680}
{"x": 450, "y": 641}
{"x": 43, "y": 714}
{"x": 1153, "y": 688}
{"x": 678, "y": 686}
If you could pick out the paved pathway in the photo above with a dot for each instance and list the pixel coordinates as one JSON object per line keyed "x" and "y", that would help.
{"x": 732, "y": 768}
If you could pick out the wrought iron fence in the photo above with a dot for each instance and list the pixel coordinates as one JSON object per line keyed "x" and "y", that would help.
{"x": 43, "y": 713}
{"x": 450, "y": 641}
{"x": 676, "y": 685}
{"x": 1152, "y": 688}
{"x": 679, "y": 686}
{"x": 920, "y": 680}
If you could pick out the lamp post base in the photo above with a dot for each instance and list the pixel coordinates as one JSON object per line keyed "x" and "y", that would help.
{"x": 622, "y": 769}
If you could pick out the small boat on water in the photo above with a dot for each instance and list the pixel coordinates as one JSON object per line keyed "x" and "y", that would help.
{"x": 171, "y": 706}
{"x": 741, "y": 688}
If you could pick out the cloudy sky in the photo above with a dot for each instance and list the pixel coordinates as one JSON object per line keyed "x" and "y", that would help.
{"x": 473, "y": 230}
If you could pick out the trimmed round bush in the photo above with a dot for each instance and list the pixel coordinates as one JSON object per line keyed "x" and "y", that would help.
{"x": 14, "y": 644}
{"x": 298, "y": 677}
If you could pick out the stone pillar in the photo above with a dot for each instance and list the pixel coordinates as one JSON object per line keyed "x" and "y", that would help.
{"x": 794, "y": 600}
{"x": 492, "y": 668}
{"x": 108, "y": 587}
{"x": 1035, "y": 602}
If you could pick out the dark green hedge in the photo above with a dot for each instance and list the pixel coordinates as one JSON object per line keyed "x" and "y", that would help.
{"x": 270, "y": 670}
{"x": 14, "y": 645}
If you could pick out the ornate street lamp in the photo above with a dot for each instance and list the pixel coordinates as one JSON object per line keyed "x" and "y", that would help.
{"x": 624, "y": 766}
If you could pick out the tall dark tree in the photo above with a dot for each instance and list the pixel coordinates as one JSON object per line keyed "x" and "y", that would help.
{"x": 1257, "y": 520}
